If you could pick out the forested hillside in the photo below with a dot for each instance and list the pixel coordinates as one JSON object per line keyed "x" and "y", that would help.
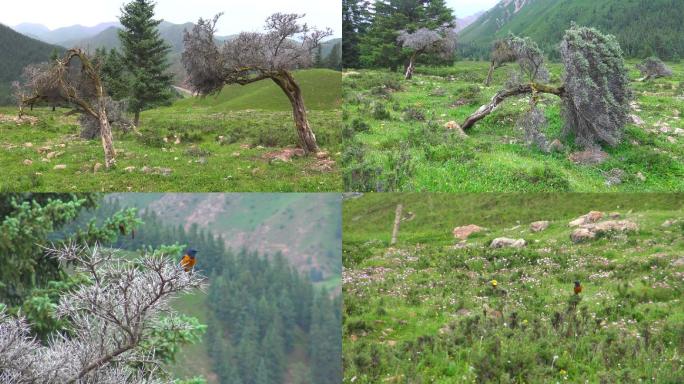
{"x": 306, "y": 229}
{"x": 17, "y": 52}
{"x": 643, "y": 28}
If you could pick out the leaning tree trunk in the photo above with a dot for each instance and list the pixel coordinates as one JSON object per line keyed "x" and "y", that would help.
{"x": 306, "y": 136}
{"x": 408, "y": 75}
{"x": 500, "y": 96}
{"x": 106, "y": 135}
{"x": 489, "y": 74}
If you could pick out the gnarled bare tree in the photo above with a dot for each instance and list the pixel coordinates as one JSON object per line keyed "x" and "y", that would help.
{"x": 250, "y": 57}
{"x": 500, "y": 56}
{"x": 108, "y": 319}
{"x": 73, "y": 79}
{"x": 653, "y": 68}
{"x": 595, "y": 91}
{"x": 441, "y": 41}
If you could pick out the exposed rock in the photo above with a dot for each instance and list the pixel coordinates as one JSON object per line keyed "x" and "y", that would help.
{"x": 28, "y": 162}
{"x": 671, "y": 139}
{"x": 97, "y": 167}
{"x": 129, "y": 169}
{"x": 614, "y": 176}
{"x": 588, "y": 157}
{"x": 503, "y": 242}
{"x": 59, "y": 166}
{"x": 581, "y": 234}
{"x": 678, "y": 132}
{"x": 641, "y": 176}
{"x": 28, "y": 145}
{"x": 322, "y": 155}
{"x": 539, "y": 226}
{"x": 44, "y": 149}
{"x": 678, "y": 263}
{"x": 590, "y": 217}
{"x": 454, "y": 126}
{"x": 556, "y": 146}
{"x": 636, "y": 120}
{"x": 590, "y": 231}
{"x": 52, "y": 155}
{"x": 235, "y": 154}
{"x": 668, "y": 223}
{"x": 464, "y": 232}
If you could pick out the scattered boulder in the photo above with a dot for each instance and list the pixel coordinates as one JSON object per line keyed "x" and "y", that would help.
{"x": 671, "y": 139}
{"x": 97, "y": 167}
{"x": 44, "y": 149}
{"x": 668, "y": 223}
{"x": 454, "y": 126}
{"x": 52, "y": 155}
{"x": 556, "y": 146}
{"x": 641, "y": 176}
{"x": 464, "y": 232}
{"x": 129, "y": 169}
{"x": 588, "y": 157}
{"x": 678, "y": 263}
{"x": 322, "y": 155}
{"x": 59, "y": 166}
{"x": 284, "y": 155}
{"x": 28, "y": 162}
{"x": 28, "y": 145}
{"x": 590, "y": 217}
{"x": 590, "y": 231}
{"x": 614, "y": 176}
{"x": 505, "y": 242}
{"x": 636, "y": 120}
{"x": 581, "y": 234}
{"x": 539, "y": 226}
{"x": 678, "y": 132}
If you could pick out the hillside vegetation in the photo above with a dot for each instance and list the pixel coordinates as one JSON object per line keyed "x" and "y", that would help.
{"x": 209, "y": 144}
{"x": 17, "y": 51}
{"x": 427, "y": 310}
{"x": 643, "y": 28}
{"x": 397, "y": 136}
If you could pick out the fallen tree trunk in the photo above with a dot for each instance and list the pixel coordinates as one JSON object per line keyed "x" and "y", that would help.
{"x": 532, "y": 88}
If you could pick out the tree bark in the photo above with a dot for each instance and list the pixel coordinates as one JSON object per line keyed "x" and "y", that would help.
{"x": 306, "y": 136}
{"x": 500, "y": 96}
{"x": 106, "y": 135}
{"x": 489, "y": 74}
{"x": 136, "y": 118}
{"x": 408, "y": 75}
{"x": 397, "y": 223}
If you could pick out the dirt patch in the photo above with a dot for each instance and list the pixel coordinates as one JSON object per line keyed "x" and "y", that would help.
{"x": 284, "y": 155}
{"x": 18, "y": 120}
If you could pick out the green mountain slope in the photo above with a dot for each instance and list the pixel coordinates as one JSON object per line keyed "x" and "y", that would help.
{"x": 643, "y": 28}
{"x": 17, "y": 51}
{"x": 322, "y": 89}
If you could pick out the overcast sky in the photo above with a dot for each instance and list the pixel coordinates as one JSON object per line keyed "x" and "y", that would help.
{"x": 463, "y": 8}
{"x": 239, "y": 15}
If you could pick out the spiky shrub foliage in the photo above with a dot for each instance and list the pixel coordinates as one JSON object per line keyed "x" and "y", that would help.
{"x": 597, "y": 94}
{"x": 110, "y": 318}
{"x": 653, "y": 68}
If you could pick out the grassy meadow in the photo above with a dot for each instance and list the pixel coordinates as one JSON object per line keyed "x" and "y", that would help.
{"x": 396, "y": 140}
{"x": 425, "y": 310}
{"x": 235, "y": 141}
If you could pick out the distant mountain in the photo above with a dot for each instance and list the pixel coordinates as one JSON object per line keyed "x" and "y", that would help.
{"x": 462, "y": 23}
{"x": 64, "y": 34}
{"x": 643, "y": 28}
{"x": 17, "y": 51}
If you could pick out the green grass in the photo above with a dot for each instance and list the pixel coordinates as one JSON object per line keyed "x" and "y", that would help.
{"x": 395, "y": 139}
{"x": 252, "y": 120}
{"x": 425, "y": 312}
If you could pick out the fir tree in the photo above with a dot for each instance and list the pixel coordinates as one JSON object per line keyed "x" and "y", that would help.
{"x": 333, "y": 61}
{"x": 144, "y": 54}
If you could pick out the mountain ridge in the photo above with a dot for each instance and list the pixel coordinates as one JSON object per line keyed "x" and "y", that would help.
{"x": 642, "y": 28}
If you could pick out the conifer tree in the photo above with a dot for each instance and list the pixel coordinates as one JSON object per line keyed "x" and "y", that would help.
{"x": 145, "y": 56}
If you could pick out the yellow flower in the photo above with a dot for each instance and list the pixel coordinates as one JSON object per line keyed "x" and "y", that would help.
{"x": 524, "y": 321}
{"x": 563, "y": 372}
{"x": 494, "y": 283}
